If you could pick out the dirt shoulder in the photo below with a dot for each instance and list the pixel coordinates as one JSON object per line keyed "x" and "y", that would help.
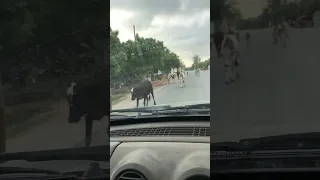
{"x": 50, "y": 129}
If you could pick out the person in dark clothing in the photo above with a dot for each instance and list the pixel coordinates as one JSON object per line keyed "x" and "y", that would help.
{"x": 247, "y": 36}
{"x": 178, "y": 74}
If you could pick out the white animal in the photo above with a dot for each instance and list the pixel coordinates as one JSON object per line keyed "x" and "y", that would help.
{"x": 230, "y": 46}
{"x": 182, "y": 83}
{"x": 182, "y": 75}
{"x": 171, "y": 77}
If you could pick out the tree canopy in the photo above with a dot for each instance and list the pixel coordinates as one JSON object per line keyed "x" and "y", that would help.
{"x": 46, "y": 42}
{"x": 51, "y": 38}
{"x": 134, "y": 60}
{"x": 198, "y": 63}
{"x": 275, "y": 11}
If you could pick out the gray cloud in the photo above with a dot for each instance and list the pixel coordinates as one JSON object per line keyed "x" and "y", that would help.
{"x": 181, "y": 39}
{"x": 146, "y": 9}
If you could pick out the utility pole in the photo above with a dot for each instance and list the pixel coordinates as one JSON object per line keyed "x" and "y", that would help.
{"x": 2, "y": 118}
{"x": 134, "y": 32}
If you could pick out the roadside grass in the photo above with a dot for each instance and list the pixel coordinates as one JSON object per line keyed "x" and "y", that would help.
{"x": 118, "y": 98}
{"x": 20, "y": 118}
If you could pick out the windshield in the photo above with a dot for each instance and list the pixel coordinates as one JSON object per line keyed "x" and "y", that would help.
{"x": 159, "y": 56}
{"x": 53, "y": 66}
{"x": 276, "y": 61}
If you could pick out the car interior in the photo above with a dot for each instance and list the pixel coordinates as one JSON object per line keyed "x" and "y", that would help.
{"x": 233, "y": 163}
{"x": 164, "y": 148}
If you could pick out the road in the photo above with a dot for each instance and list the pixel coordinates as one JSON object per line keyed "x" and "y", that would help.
{"x": 278, "y": 92}
{"x": 197, "y": 89}
{"x": 57, "y": 133}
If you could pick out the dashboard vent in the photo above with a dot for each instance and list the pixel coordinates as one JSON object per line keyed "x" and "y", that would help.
{"x": 131, "y": 175}
{"x": 164, "y": 131}
{"x": 228, "y": 154}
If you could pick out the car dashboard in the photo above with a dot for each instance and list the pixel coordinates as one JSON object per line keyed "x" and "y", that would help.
{"x": 268, "y": 164}
{"x": 160, "y": 151}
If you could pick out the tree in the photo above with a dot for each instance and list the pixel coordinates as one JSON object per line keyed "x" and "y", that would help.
{"x": 131, "y": 61}
{"x": 53, "y": 39}
{"x": 196, "y": 60}
{"x": 201, "y": 65}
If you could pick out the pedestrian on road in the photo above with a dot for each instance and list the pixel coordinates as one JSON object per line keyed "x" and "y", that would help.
{"x": 178, "y": 74}
{"x": 247, "y": 37}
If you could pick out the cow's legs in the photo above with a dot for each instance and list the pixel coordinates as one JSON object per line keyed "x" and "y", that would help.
{"x": 236, "y": 66}
{"x": 144, "y": 101}
{"x": 233, "y": 59}
{"x": 228, "y": 70}
{"x": 154, "y": 101}
{"x": 147, "y": 99}
{"x": 137, "y": 102}
{"x": 89, "y": 126}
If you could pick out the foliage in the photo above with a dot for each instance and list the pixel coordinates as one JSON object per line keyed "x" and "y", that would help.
{"x": 274, "y": 12}
{"x": 47, "y": 40}
{"x": 197, "y": 63}
{"x": 132, "y": 61}
{"x": 196, "y": 60}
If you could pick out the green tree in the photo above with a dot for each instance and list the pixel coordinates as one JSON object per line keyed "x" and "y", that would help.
{"x": 131, "y": 61}
{"x": 51, "y": 38}
{"x": 196, "y": 60}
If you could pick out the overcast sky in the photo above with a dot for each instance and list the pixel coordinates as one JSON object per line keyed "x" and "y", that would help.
{"x": 183, "y": 25}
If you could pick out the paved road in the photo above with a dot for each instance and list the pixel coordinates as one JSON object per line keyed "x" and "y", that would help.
{"x": 197, "y": 89}
{"x": 45, "y": 136}
{"x": 278, "y": 91}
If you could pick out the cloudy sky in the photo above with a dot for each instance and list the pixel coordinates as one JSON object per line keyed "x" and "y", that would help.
{"x": 183, "y": 25}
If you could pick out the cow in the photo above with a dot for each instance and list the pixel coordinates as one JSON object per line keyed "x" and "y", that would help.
{"x": 143, "y": 90}
{"x": 230, "y": 46}
{"x": 283, "y": 34}
{"x": 171, "y": 76}
{"x": 182, "y": 75}
{"x": 218, "y": 38}
{"x": 90, "y": 100}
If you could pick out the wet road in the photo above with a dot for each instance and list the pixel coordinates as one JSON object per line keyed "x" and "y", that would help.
{"x": 278, "y": 92}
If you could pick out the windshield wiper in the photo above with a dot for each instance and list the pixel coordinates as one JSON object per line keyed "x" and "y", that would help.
{"x": 195, "y": 106}
{"x": 168, "y": 110}
{"x": 94, "y": 153}
{"x": 280, "y": 142}
{"x": 148, "y": 109}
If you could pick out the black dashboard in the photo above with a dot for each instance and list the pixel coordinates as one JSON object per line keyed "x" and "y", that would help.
{"x": 161, "y": 150}
{"x": 265, "y": 164}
